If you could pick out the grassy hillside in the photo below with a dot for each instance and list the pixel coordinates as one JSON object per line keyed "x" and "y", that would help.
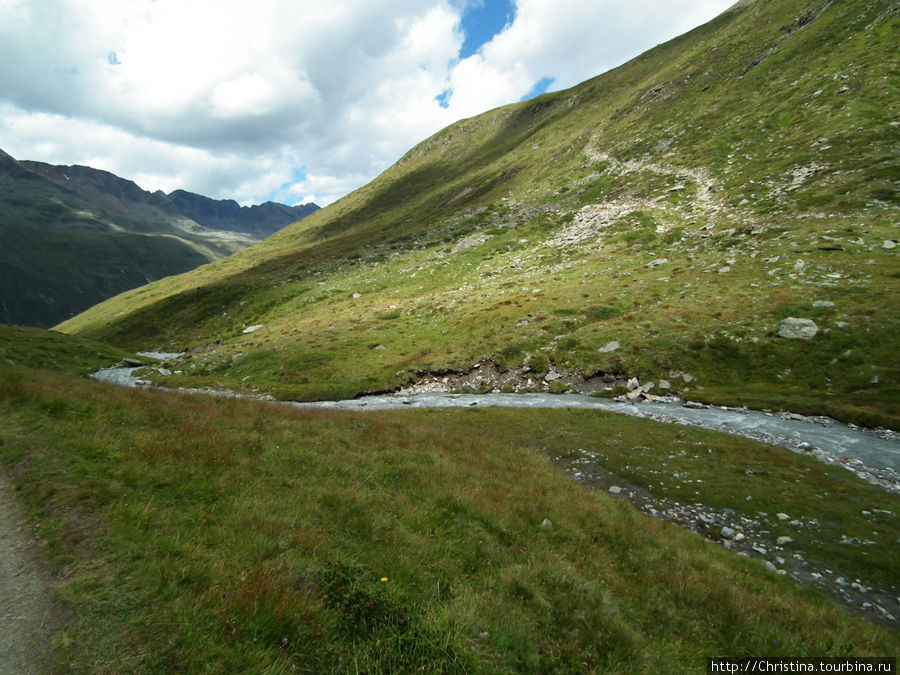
{"x": 195, "y": 533}
{"x": 681, "y": 205}
{"x": 36, "y": 349}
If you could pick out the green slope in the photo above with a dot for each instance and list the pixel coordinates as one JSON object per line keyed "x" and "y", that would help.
{"x": 681, "y": 205}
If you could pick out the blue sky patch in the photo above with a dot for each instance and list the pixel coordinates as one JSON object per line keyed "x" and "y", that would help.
{"x": 443, "y": 98}
{"x": 540, "y": 87}
{"x": 282, "y": 194}
{"x": 483, "y": 20}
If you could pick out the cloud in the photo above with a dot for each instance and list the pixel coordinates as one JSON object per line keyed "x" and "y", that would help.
{"x": 230, "y": 102}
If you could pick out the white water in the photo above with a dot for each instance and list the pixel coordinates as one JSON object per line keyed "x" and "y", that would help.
{"x": 861, "y": 450}
{"x": 875, "y": 450}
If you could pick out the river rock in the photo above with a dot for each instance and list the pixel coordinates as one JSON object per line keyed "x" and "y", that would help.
{"x": 727, "y": 532}
{"x": 614, "y": 490}
{"x": 633, "y": 384}
{"x": 664, "y": 384}
{"x": 794, "y": 328}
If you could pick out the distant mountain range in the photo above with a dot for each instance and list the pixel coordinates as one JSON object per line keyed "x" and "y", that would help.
{"x": 72, "y": 236}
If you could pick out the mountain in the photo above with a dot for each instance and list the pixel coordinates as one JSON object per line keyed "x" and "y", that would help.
{"x": 72, "y": 236}
{"x": 716, "y": 216}
{"x": 261, "y": 220}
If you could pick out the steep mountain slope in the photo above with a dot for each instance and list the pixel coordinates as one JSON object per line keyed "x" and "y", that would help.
{"x": 660, "y": 220}
{"x": 73, "y": 236}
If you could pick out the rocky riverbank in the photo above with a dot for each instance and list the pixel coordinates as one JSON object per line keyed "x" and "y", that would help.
{"x": 765, "y": 536}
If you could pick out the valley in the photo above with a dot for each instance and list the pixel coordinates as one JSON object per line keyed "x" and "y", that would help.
{"x": 72, "y": 236}
{"x": 322, "y": 473}
{"x": 679, "y": 206}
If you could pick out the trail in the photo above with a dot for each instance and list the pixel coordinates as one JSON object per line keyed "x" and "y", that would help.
{"x": 28, "y": 614}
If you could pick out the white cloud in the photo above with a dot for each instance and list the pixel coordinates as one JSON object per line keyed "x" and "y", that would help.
{"x": 228, "y": 99}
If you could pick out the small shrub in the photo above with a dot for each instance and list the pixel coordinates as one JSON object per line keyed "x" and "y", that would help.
{"x": 538, "y": 363}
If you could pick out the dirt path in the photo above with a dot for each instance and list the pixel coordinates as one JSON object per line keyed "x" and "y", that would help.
{"x": 28, "y": 615}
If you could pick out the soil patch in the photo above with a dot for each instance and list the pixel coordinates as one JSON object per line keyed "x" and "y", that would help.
{"x": 29, "y": 616}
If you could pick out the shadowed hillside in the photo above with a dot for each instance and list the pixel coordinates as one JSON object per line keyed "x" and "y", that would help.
{"x": 72, "y": 236}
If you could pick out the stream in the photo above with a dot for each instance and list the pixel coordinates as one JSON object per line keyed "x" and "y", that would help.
{"x": 874, "y": 455}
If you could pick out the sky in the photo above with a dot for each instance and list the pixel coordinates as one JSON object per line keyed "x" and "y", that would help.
{"x": 291, "y": 100}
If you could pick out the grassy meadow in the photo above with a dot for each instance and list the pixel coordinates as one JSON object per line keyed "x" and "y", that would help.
{"x": 205, "y": 534}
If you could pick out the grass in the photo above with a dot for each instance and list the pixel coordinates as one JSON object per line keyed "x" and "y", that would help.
{"x": 35, "y": 348}
{"x": 208, "y": 534}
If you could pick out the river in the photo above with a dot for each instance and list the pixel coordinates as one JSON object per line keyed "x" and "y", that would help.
{"x": 872, "y": 454}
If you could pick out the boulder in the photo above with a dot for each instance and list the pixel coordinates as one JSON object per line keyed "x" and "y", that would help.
{"x": 794, "y": 328}
{"x": 610, "y": 347}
